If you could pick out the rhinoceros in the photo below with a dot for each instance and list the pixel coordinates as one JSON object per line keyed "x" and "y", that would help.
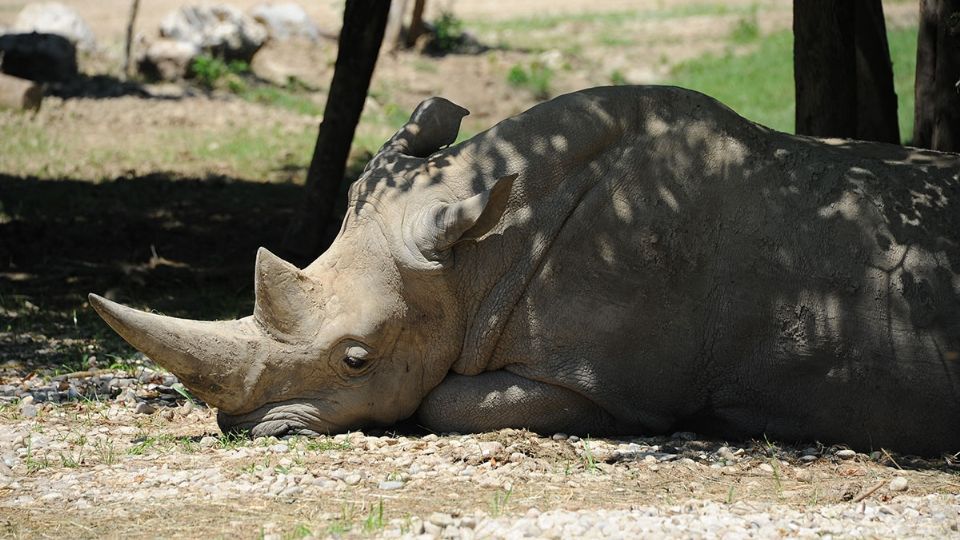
{"x": 619, "y": 260}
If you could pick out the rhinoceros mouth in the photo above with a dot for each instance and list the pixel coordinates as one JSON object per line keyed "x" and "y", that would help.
{"x": 292, "y": 417}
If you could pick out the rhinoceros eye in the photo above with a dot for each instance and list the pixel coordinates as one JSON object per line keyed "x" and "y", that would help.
{"x": 356, "y": 357}
{"x": 353, "y": 362}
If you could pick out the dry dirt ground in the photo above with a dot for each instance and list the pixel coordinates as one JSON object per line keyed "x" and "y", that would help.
{"x": 159, "y": 195}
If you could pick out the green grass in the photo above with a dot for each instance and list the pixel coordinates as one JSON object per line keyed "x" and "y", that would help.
{"x": 282, "y": 98}
{"x": 759, "y": 84}
{"x": 616, "y": 18}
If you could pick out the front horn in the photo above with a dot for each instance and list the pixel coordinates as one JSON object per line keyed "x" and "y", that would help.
{"x": 213, "y": 359}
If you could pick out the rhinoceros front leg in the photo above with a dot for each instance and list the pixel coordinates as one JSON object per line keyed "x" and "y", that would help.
{"x": 500, "y": 399}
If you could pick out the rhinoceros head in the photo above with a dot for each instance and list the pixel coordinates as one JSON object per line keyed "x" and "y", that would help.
{"x": 363, "y": 333}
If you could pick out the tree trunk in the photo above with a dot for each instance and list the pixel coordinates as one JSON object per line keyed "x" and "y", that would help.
{"x": 417, "y": 27}
{"x": 393, "y": 36}
{"x": 937, "y": 98}
{"x": 359, "y": 44}
{"x": 876, "y": 99}
{"x": 842, "y": 71}
{"x": 128, "y": 43}
{"x": 824, "y": 67}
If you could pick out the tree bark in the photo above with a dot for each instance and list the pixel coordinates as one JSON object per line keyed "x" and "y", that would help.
{"x": 937, "y": 92}
{"x": 393, "y": 36}
{"x": 876, "y": 98}
{"x": 824, "y": 67}
{"x": 417, "y": 28}
{"x": 128, "y": 43}
{"x": 359, "y": 45}
{"x": 842, "y": 71}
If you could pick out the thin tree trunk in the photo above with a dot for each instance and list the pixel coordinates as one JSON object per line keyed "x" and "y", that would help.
{"x": 134, "y": 7}
{"x": 937, "y": 92}
{"x": 825, "y": 64}
{"x": 416, "y": 28}
{"x": 393, "y": 36}
{"x": 359, "y": 44}
{"x": 876, "y": 98}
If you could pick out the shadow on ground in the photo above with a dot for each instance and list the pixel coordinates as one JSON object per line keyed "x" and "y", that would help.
{"x": 181, "y": 246}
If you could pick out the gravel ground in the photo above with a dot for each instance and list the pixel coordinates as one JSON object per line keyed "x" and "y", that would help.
{"x": 123, "y": 453}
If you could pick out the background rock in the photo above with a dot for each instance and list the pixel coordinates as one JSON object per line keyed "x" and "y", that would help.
{"x": 219, "y": 30}
{"x": 167, "y": 59}
{"x": 56, "y": 18}
{"x": 285, "y": 20}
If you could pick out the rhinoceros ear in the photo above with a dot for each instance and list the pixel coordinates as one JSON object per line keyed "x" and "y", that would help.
{"x": 442, "y": 226}
{"x": 434, "y": 123}
{"x": 286, "y": 302}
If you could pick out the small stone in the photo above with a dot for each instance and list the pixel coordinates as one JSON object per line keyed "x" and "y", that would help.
{"x": 390, "y": 485}
{"x": 144, "y": 408}
{"x": 28, "y": 410}
{"x": 804, "y": 475}
{"x": 186, "y": 407}
{"x": 352, "y": 479}
{"x": 432, "y": 529}
{"x": 846, "y": 454}
{"x": 440, "y": 519}
{"x": 766, "y": 467}
{"x": 208, "y": 442}
{"x": 489, "y": 449}
{"x": 291, "y": 491}
{"x": 27, "y": 400}
{"x": 727, "y": 454}
{"x": 167, "y": 414}
{"x": 560, "y": 436}
{"x": 898, "y": 484}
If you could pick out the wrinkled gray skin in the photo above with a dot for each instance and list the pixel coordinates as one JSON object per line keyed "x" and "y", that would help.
{"x": 617, "y": 260}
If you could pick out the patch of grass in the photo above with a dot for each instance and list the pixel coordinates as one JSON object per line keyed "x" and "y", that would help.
{"x": 325, "y": 445}
{"x": 182, "y": 390}
{"x": 142, "y": 445}
{"x": 746, "y": 30}
{"x": 550, "y": 22}
{"x": 374, "y": 521}
{"x": 589, "y": 460}
{"x": 212, "y": 72}
{"x": 499, "y": 502}
{"x": 617, "y": 78}
{"x": 903, "y": 55}
{"x": 536, "y": 78}
{"x": 447, "y": 32}
{"x": 759, "y": 84}
{"x": 229, "y": 441}
{"x": 344, "y": 522}
{"x": 301, "y": 531}
{"x": 33, "y": 463}
{"x": 282, "y": 98}
{"x": 105, "y": 452}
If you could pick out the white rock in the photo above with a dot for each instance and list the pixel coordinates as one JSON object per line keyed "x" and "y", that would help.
{"x": 219, "y": 29}
{"x": 846, "y": 454}
{"x": 55, "y": 18}
{"x": 898, "y": 484}
{"x": 168, "y": 60}
{"x": 285, "y": 20}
